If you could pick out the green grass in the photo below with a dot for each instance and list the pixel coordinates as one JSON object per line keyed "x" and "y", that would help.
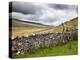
{"x": 71, "y": 48}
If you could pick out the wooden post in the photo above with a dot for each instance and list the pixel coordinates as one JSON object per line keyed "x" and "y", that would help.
{"x": 63, "y": 27}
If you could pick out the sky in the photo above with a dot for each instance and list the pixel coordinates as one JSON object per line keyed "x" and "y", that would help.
{"x": 44, "y": 13}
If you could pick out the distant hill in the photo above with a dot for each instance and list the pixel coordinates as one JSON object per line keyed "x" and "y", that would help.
{"x": 72, "y": 24}
{"x": 20, "y": 28}
{"x": 20, "y": 23}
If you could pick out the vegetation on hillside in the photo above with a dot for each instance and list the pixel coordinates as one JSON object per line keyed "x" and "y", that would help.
{"x": 20, "y": 28}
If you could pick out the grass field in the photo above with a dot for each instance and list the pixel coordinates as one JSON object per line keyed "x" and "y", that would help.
{"x": 70, "y": 48}
{"x": 25, "y": 28}
{"x": 21, "y": 31}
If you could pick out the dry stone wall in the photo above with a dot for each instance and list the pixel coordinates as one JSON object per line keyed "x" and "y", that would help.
{"x": 21, "y": 45}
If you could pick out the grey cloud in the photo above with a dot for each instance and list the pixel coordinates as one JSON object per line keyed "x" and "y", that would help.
{"x": 26, "y": 8}
{"x": 31, "y": 8}
{"x": 63, "y": 6}
{"x": 49, "y": 14}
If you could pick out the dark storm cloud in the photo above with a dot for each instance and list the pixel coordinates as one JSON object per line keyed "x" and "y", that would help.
{"x": 26, "y": 8}
{"x": 49, "y": 14}
{"x": 63, "y": 6}
{"x": 30, "y": 8}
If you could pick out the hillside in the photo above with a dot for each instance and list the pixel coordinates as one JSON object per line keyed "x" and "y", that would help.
{"x": 72, "y": 24}
{"x": 20, "y": 28}
{"x": 20, "y": 23}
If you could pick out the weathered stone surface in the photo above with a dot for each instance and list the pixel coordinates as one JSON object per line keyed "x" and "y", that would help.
{"x": 21, "y": 45}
